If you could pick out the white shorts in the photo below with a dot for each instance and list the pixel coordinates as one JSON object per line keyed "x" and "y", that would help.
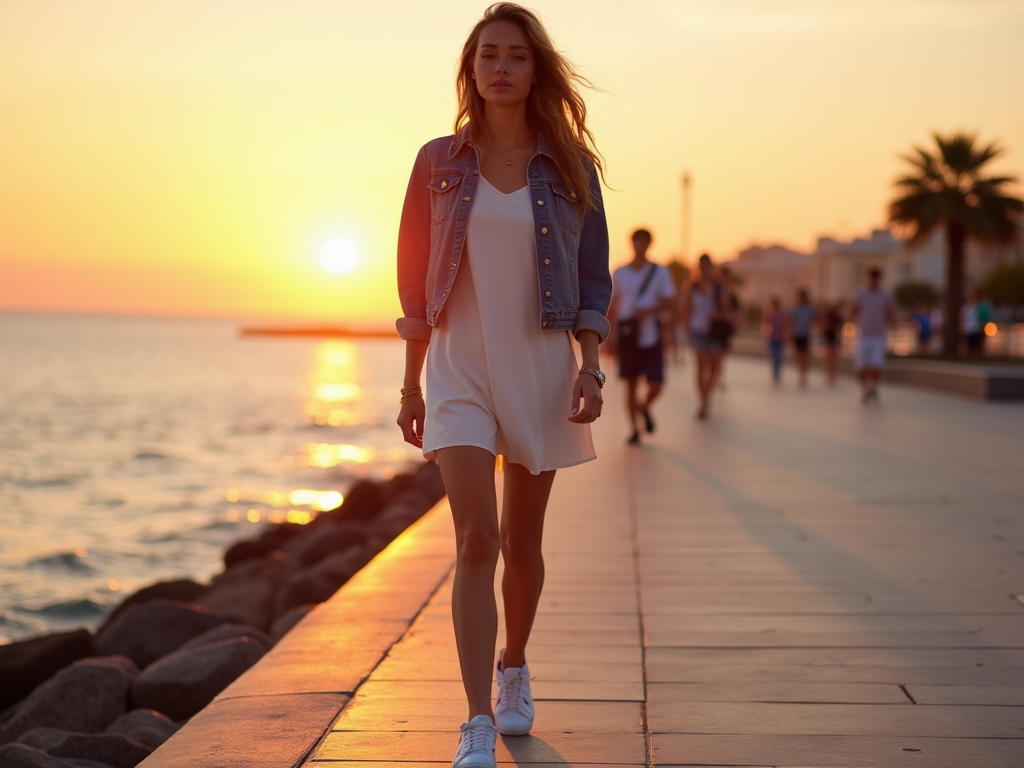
{"x": 870, "y": 352}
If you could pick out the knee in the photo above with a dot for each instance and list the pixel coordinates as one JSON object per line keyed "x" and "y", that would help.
{"x": 478, "y": 547}
{"x": 520, "y": 551}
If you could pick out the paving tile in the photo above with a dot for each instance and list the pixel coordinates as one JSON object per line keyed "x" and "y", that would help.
{"x": 837, "y": 720}
{"x": 836, "y": 673}
{"x": 779, "y": 692}
{"x": 997, "y": 695}
{"x": 447, "y": 764}
{"x": 261, "y": 732}
{"x": 539, "y": 747}
{"x": 834, "y": 751}
{"x": 853, "y": 656}
{"x": 365, "y": 713}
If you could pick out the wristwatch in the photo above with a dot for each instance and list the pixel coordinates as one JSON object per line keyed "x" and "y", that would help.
{"x": 599, "y": 375}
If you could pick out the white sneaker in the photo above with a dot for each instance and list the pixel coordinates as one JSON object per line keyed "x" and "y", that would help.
{"x": 476, "y": 744}
{"x": 514, "y": 712}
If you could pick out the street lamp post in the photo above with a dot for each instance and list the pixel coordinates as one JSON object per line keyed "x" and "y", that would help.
{"x": 686, "y": 218}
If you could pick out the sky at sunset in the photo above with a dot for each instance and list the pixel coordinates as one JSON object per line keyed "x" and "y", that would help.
{"x": 193, "y": 156}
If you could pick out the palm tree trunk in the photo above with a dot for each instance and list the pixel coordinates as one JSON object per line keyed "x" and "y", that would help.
{"x": 956, "y": 238}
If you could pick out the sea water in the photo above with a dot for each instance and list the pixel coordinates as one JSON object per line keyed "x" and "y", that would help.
{"x": 134, "y": 450}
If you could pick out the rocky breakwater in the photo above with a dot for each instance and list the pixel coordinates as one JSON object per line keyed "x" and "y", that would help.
{"x": 106, "y": 700}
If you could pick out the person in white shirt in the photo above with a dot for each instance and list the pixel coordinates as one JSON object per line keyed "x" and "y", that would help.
{"x": 642, "y": 292}
{"x": 873, "y": 312}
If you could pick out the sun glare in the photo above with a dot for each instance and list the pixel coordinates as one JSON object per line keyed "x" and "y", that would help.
{"x": 339, "y": 255}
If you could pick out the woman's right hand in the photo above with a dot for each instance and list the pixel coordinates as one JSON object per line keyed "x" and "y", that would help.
{"x": 410, "y": 419}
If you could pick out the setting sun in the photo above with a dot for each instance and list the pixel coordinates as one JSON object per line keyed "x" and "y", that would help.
{"x": 339, "y": 255}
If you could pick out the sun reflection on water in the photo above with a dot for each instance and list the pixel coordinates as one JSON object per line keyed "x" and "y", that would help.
{"x": 335, "y": 394}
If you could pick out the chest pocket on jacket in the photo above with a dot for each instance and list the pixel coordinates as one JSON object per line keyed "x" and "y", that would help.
{"x": 570, "y": 213}
{"x": 442, "y": 195}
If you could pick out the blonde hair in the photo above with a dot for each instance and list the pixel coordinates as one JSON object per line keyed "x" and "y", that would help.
{"x": 554, "y": 109}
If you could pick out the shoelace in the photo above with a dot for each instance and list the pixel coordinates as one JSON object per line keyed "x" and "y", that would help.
{"x": 513, "y": 693}
{"x": 477, "y": 737}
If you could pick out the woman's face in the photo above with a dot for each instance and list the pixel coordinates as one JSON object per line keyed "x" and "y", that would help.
{"x": 503, "y": 67}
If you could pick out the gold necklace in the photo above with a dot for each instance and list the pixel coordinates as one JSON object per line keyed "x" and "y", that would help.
{"x": 507, "y": 149}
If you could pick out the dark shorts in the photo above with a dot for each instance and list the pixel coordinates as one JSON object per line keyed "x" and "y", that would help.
{"x": 648, "y": 362}
{"x": 830, "y": 338}
{"x": 801, "y": 343}
{"x": 975, "y": 342}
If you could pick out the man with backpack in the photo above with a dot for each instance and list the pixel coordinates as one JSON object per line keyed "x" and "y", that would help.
{"x": 642, "y": 292}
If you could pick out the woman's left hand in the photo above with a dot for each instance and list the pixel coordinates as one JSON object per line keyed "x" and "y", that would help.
{"x": 588, "y": 390}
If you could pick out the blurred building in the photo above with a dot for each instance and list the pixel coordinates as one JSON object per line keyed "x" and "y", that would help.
{"x": 836, "y": 268}
{"x": 770, "y": 271}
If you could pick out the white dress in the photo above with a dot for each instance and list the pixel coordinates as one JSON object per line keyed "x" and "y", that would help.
{"x": 495, "y": 380}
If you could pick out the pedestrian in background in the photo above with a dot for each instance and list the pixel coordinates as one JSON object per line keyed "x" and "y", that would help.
{"x": 974, "y": 316}
{"x": 801, "y": 319}
{"x": 874, "y": 311}
{"x": 830, "y": 325}
{"x": 731, "y": 314}
{"x": 922, "y": 322}
{"x": 773, "y": 326}
{"x": 702, "y": 305}
{"x": 642, "y": 292}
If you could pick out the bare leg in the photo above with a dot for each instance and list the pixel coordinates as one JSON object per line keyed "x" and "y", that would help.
{"x": 522, "y": 528}
{"x": 468, "y": 474}
{"x": 632, "y": 409}
{"x": 653, "y": 390}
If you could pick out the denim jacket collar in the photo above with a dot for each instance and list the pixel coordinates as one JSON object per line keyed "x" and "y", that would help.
{"x": 463, "y": 138}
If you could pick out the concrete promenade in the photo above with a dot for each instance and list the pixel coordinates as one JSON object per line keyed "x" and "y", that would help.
{"x": 800, "y": 581}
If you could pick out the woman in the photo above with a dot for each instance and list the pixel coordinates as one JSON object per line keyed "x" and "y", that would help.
{"x": 773, "y": 326}
{"x": 706, "y": 320}
{"x": 831, "y": 327}
{"x": 502, "y": 253}
{"x": 801, "y": 319}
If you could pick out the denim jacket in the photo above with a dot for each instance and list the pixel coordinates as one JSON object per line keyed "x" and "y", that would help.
{"x": 572, "y": 244}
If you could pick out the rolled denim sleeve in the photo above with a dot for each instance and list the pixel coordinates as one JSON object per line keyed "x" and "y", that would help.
{"x": 592, "y": 266}
{"x": 414, "y": 253}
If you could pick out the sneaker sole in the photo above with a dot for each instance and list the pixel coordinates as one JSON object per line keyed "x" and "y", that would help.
{"x": 515, "y": 731}
{"x": 477, "y": 763}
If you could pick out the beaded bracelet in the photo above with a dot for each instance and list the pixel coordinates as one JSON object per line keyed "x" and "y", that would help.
{"x": 408, "y": 392}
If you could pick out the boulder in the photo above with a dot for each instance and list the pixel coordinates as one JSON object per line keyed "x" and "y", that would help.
{"x": 27, "y": 663}
{"x": 231, "y": 632}
{"x": 149, "y": 630}
{"x": 362, "y": 502}
{"x": 308, "y": 587}
{"x": 246, "y": 591}
{"x": 181, "y": 590}
{"x": 429, "y": 480}
{"x": 85, "y": 697}
{"x": 144, "y": 726}
{"x": 181, "y": 684}
{"x": 247, "y": 549}
{"x": 314, "y": 544}
{"x": 396, "y": 485}
{"x": 318, "y": 583}
{"x": 24, "y": 756}
{"x": 113, "y": 749}
{"x": 284, "y": 623}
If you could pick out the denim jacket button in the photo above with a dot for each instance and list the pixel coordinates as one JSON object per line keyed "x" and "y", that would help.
{"x": 547, "y": 262}
{"x": 444, "y": 184}
{"x": 543, "y": 230}
{"x": 540, "y": 202}
{"x": 548, "y": 294}
{"x": 466, "y": 199}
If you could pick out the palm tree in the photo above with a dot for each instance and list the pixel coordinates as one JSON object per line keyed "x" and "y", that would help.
{"x": 947, "y": 189}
